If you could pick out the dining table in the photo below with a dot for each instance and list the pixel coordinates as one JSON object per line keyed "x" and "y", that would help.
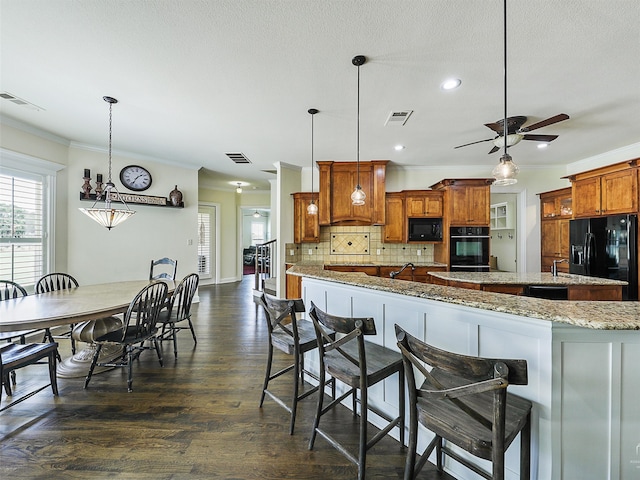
{"x": 91, "y": 308}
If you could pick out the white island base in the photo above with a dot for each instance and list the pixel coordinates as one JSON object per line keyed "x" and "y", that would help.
{"x": 584, "y": 383}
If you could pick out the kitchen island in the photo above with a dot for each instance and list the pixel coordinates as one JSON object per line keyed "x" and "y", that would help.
{"x": 578, "y": 287}
{"x": 582, "y": 358}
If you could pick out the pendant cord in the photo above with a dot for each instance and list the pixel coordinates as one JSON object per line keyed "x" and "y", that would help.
{"x": 505, "y": 127}
{"x": 110, "y": 123}
{"x": 358, "y": 134}
{"x": 311, "y": 158}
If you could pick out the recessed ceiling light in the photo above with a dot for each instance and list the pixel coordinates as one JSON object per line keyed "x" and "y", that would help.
{"x": 399, "y": 148}
{"x": 451, "y": 84}
{"x": 542, "y": 146}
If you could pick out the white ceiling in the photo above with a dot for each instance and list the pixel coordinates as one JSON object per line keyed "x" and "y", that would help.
{"x": 198, "y": 78}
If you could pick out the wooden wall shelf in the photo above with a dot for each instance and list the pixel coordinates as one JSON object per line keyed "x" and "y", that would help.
{"x": 135, "y": 199}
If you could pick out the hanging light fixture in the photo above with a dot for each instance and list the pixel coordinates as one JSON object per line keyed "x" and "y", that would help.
{"x": 358, "y": 196}
{"x": 109, "y": 217}
{"x": 312, "y": 208}
{"x": 239, "y": 188}
{"x": 505, "y": 172}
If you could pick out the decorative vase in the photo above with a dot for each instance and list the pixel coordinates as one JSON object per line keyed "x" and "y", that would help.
{"x": 175, "y": 197}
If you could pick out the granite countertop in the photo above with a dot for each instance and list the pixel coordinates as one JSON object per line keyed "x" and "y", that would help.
{"x": 369, "y": 264}
{"x": 601, "y": 315}
{"x": 536, "y": 278}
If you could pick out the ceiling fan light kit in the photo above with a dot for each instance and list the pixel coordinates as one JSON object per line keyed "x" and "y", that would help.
{"x": 108, "y": 216}
{"x": 312, "y": 208}
{"x": 358, "y": 196}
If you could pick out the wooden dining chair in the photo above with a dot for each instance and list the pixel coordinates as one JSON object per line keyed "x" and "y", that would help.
{"x": 14, "y": 356}
{"x": 463, "y": 400}
{"x": 138, "y": 327}
{"x": 51, "y": 283}
{"x": 179, "y": 310}
{"x": 359, "y": 364}
{"x": 294, "y": 337}
{"x": 9, "y": 289}
{"x": 170, "y": 269}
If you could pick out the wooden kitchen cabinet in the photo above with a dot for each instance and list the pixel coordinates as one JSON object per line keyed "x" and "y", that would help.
{"x": 337, "y": 182}
{"x": 395, "y": 230}
{"x": 466, "y": 201}
{"x": 293, "y": 284}
{"x": 423, "y": 203}
{"x": 306, "y": 228}
{"x": 555, "y": 211}
{"x": 371, "y": 270}
{"x": 609, "y": 190}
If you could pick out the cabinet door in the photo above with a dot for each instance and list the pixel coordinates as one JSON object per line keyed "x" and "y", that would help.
{"x": 619, "y": 193}
{"x": 344, "y": 180}
{"x": 549, "y": 239}
{"x": 478, "y": 208}
{"x": 586, "y": 197}
{"x": 415, "y": 205}
{"x": 306, "y": 228}
{"x": 563, "y": 239}
{"x": 394, "y": 230}
{"x": 458, "y": 206}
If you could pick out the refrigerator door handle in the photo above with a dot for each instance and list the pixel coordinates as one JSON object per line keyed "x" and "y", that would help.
{"x": 589, "y": 239}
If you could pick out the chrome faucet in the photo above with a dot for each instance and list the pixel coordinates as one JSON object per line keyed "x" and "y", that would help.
{"x": 396, "y": 273}
{"x": 554, "y": 267}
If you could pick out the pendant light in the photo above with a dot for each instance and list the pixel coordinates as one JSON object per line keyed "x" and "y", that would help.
{"x": 109, "y": 217}
{"x": 505, "y": 172}
{"x": 312, "y": 208}
{"x": 358, "y": 196}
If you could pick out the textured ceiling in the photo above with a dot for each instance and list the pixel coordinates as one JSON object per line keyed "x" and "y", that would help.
{"x": 196, "y": 79}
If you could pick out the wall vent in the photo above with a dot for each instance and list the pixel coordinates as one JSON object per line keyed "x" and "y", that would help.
{"x": 398, "y": 117}
{"x": 19, "y": 101}
{"x": 238, "y": 157}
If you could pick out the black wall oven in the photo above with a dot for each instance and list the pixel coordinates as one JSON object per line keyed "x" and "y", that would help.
{"x": 469, "y": 249}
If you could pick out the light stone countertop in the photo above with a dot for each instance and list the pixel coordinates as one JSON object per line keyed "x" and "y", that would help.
{"x": 601, "y": 315}
{"x": 536, "y": 278}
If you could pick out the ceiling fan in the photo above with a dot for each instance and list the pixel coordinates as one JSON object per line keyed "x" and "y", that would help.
{"x": 517, "y": 132}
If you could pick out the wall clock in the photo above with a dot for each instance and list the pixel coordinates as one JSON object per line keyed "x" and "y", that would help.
{"x": 135, "y": 178}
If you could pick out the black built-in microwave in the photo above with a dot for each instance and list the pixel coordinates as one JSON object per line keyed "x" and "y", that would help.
{"x": 425, "y": 229}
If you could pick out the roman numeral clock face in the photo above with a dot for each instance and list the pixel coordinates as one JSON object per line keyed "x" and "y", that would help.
{"x": 135, "y": 178}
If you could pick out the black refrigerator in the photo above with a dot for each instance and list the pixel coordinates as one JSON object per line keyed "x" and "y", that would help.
{"x": 606, "y": 247}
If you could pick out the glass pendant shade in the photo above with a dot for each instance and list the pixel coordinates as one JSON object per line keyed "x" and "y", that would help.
{"x": 108, "y": 216}
{"x": 358, "y": 196}
{"x": 505, "y": 172}
{"x": 312, "y": 208}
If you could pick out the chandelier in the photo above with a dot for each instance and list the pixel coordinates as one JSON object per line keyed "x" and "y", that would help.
{"x": 108, "y": 216}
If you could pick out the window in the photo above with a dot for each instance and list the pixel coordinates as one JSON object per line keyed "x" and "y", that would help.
{"x": 257, "y": 233}
{"x": 23, "y": 225}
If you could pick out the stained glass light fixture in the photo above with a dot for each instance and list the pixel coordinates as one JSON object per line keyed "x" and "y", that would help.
{"x": 108, "y": 216}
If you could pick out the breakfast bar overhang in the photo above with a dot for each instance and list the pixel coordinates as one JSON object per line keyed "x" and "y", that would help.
{"x": 582, "y": 359}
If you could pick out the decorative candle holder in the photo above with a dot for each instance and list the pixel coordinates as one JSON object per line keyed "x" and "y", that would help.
{"x": 86, "y": 187}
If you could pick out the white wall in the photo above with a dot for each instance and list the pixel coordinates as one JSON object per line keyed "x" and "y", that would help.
{"x": 97, "y": 255}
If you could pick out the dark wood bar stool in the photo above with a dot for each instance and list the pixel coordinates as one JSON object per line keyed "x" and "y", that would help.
{"x": 359, "y": 364}
{"x": 464, "y": 400}
{"x": 293, "y": 337}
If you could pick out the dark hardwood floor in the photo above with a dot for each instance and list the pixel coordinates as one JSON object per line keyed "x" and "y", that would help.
{"x": 197, "y": 417}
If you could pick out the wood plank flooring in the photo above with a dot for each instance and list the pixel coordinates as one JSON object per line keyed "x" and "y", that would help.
{"x": 197, "y": 417}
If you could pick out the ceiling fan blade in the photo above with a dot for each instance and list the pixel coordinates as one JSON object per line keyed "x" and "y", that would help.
{"x": 496, "y": 127}
{"x": 493, "y": 150}
{"x": 549, "y": 121}
{"x": 540, "y": 138}
{"x": 473, "y": 143}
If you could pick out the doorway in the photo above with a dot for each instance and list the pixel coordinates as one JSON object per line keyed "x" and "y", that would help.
{"x": 207, "y": 244}
{"x": 256, "y": 224}
{"x": 504, "y": 232}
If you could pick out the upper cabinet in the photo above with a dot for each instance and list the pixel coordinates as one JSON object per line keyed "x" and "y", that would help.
{"x": 395, "y": 230}
{"x": 609, "y": 190}
{"x": 423, "y": 203}
{"x": 557, "y": 203}
{"x": 337, "y": 182}
{"x": 306, "y": 228}
{"x": 501, "y": 215}
{"x": 466, "y": 200}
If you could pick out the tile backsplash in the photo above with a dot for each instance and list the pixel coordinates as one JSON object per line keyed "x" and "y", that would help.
{"x": 357, "y": 245}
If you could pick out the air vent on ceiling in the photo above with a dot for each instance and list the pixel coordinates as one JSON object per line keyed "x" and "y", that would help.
{"x": 19, "y": 101}
{"x": 238, "y": 157}
{"x": 399, "y": 117}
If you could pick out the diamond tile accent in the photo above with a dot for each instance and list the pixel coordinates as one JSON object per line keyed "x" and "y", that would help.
{"x": 351, "y": 243}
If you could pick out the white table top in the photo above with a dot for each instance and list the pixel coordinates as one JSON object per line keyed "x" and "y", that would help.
{"x": 73, "y": 305}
